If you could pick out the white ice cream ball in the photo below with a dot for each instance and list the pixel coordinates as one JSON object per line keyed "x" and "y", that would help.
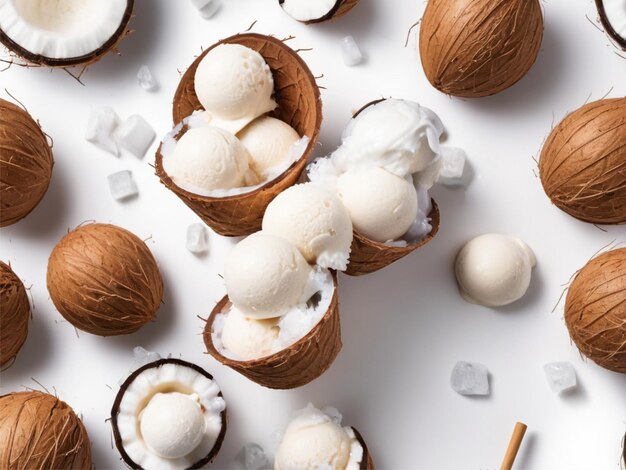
{"x": 315, "y": 221}
{"x": 172, "y": 425}
{"x": 494, "y": 270}
{"x": 208, "y": 158}
{"x": 268, "y": 141}
{"x": 265, "y": 276}
{"x": 382, "y": 205}
{"x": 248, "y": 338}
{"x": 234, "y": 84}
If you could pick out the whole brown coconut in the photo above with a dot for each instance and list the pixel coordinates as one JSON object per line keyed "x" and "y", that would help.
{"x": 104, "y": 280}
{"x": 14, "y": 314}
{"x": 583, "y": 163}
{"x": 474, "y": 48}
{"x": 595, "y": 310}
{"x": 39, "y": 431}
{"x": 25, "y": 163}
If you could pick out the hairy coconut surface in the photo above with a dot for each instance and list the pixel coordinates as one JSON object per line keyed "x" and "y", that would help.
{"x": 299, "y": 105}
{"x": 474, "y": 48}
{"x": 104, "y": 280}
{"x": 595, "y": 310}
{"x": 366, "y": 462}
{"x": 39, "y": 431}
{"x": 14, "y": 314}
{"x": 341, "y": 8}
{"x": 25, "y": 163}
{"x": 294, "y": 366}
{"x": 583, "y": 163}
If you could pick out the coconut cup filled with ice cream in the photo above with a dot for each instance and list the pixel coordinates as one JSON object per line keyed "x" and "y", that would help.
{"x": 317, "y": 439}
{"x": 388, "y": 160}
{"x": 247, "y": 115}
{"x": 169, "y": 415}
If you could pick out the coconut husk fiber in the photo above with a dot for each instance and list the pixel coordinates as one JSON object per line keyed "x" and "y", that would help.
{"x": 115, "y": 411}
{"x": 583, "y": 163}
{"x": 595, "y": 310}
{"x": 368, "y": 256}
{"x": 39, "y": 431}
{"x": 366, "y": 462}
{"x": 474, "y": 48}
{"x": 25, "y": 163}
{"x": 298, "y": 364}
{"x": 299, "y": 105}
{"x": 40, "y": 60}
{"x": 341, "y": 8}
{"x": 14, "y": 314}
{"x": 104, "y": 280}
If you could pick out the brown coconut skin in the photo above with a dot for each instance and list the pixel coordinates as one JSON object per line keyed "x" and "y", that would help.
{"x": 14, "y": 314}
{"x": 40, "y": 60}
{"x": 474, "y": 48}
{"x": 366, "y": 462}
{"x": 595, "y": 310}
{"x": 341, "y": 8}
{"x": 25, "y": 163}
{"x": 295, "y": 366}
{"x": 115, "y": 411}
{"x": 104, "y": 280}
{"x": 299, "y": 105}
{"x": 39, "y": 431}
{"x": 583, "y": 163}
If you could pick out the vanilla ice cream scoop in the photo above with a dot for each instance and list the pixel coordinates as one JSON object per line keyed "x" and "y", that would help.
{"x": 382, "y": 206}
{"x": 265, "y": 276}
{"x": 268, "y": 141}
{"x": 494, "y": 270}
{"x": 315, "y": 221}
{"x": 172, "y": 425}
{"x": 248, "y": 338}
{"x": 206, "y": 159}
{"x": 234, "y": 84}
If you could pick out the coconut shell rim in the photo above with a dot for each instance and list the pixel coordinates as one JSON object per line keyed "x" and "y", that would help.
{"x": 367, "y": 456}
{"x": 93, "y": 56}
{"x": 115, "y": 409}
{"x": 608, "y": 26}
{"x": 327, "y": 17}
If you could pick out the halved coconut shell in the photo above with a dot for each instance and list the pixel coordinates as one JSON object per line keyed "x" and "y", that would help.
{"x": 37, "y": 59}
{"x": 14, "y": 314}
{"x": 366, "y": 462}
{"x": 608, "y": 26}
{"x": 298, "y": 364}
{"x": 299, "y": 105}
{"x": 120, "y": 395}
{"x": 341, "y": 8}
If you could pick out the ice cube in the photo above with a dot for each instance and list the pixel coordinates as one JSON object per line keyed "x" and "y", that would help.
{"x": 122, "y": 185}
{"x": 141, "y": 357}
{"x": 252, "y": 457}
{"x": 101, "y": 124}
{"x": 197, "y": 238}
{"x": 453, "y": 168}
{"x": 135, "y": 135}
{"x": 145, "y": 79}
{"x": 207, "y": 8}
{"x": 350, "y": 52}
{"x": 470, "y": 378}
{"x": 561, "y": 376}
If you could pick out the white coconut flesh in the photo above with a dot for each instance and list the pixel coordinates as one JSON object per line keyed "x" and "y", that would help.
{"x": 170, "y": 417}
{"x": 615, "y": 11}
{"x": 61, "y": 29}
{"x": 308, "y": 10}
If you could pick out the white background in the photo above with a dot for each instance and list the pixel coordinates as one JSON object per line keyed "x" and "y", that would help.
{"x": 404, "y": 327}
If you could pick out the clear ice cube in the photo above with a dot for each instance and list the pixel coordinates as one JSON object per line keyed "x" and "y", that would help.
{"x": 101, "y": 124}
{"x": 561, "y": 376}
{"x": 453, "y": 168}
{"x": 197, "y": 238}
{"x": 350, "y": 52}
{"x": 145, "y": 79}
{"x": 141, "y": 357}
{"x": 470, "y": 378}
{"x": 122, "y": 185}
{"x": 252, "y": 457}
{"x": 135, "y": 135}
{"x": 207, "y": 8}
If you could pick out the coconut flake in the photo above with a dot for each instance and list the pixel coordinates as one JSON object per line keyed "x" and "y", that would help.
{"x": 101, "y": 124}
{"x": 145, "y": 79}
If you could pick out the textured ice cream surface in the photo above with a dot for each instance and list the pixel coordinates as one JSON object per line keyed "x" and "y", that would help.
{"x": 382, "y": 206}
{"x": 234, "y": 84}
{"x": 494, "y": 270}
{"x": 313, "y": 440}
{"x": 248, "y": 338}
{"x": 265, "y": 276}
{"x": 315, "y": 221}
